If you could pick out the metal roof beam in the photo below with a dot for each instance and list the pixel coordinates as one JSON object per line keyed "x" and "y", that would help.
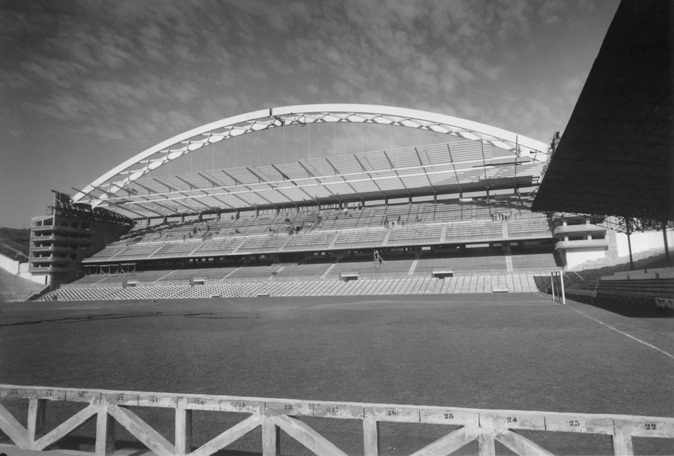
{"x": 237, "y": 181}
{"x": 305, "y": 168}
{"x": 166, "y": 185}
{"x": 280, "y": 172}
{"x": 451, "y": 159}
{"x": 189, "y": 184}
{"x": 212, "y": 182}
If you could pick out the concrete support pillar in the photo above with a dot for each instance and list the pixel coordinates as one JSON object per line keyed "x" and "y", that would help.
{"x": 664, "y": 235}
{"x": 629, "y": 242}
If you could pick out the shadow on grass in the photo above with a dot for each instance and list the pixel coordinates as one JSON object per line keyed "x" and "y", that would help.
{"x": 91, "y": 318}
{"x": 131, "y": 448}
{"x": 626, "y": 309}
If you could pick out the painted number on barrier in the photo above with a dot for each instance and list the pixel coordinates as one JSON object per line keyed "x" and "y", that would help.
{"x": 334, "y": 409}
{"x": 48, "y": 393}
{"x": 288, "y": 407}
{"x": 573, "y": 423}
{"x": 392, "y": 412}
{"x": 80, "y": 394}
{"x": 154, "y": 399}
{"x": 14, "y": 392}
{"x": 120, "y": 397}
{"x": 240, "y": 405}
{"x": 651, "y": 426}
{"x": 511, "y": 419}
{"x": 199, "y": 401}
{"x": 449, "y": 416}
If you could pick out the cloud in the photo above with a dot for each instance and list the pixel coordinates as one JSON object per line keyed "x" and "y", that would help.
{"x": 130, "y": 60}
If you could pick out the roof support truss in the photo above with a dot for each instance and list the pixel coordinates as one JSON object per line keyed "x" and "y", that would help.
{"x": 163, "y": 153}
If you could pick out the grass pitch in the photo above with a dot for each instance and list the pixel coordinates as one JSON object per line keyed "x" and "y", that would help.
{"x": 518, "y": 351}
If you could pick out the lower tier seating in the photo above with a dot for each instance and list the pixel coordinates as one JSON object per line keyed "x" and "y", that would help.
{"x": 514, "y": 283}
{"x": 461, "y": 262}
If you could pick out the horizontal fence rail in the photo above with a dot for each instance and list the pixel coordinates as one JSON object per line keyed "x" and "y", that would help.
{"x": 111, "y": 408}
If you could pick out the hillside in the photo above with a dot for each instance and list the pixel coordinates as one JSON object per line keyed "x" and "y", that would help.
{"x": 14, "y": 243}
{"x": 15, "y": 288}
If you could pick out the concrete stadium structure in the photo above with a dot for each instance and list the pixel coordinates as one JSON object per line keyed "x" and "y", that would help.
{"x": 412, "y": 216}
{"x": 422, "y": 212}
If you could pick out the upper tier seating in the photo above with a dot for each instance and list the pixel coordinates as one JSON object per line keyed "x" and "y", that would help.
{"x": 263, "y": 243}
{"x": 139, "y": 250}
{"x": 177, "y": 249}
{"x": 375, "y": 226}
{"x": 415, "y": 234}
{"x": 310, "y": 241}
{"x": 458, "y": 262}
{"x": 359, "y": 238}
{"x": 534, "y": 261}
{"x": 220, "y": 245}
{"x": 110, "y": 251}
{"x": 533, "y": 224}
{"x": 474, "y": 231}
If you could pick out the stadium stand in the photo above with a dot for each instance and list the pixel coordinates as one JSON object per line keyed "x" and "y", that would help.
{"x": 396, "y": 215}
{"x": 169, "y": 254}
{"x": 518, "y": 283}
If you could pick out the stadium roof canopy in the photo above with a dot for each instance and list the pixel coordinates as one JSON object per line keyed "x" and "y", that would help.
{"x": 616, "y": 156}
{"x": 483, "y": 157}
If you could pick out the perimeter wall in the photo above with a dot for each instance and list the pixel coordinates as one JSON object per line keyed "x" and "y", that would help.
{"x": 19, "y": 269}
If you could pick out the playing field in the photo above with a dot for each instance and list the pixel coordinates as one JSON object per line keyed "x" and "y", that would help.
{"x": 517, "y": 351}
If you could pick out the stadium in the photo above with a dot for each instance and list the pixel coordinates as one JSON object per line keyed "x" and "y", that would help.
{"x": 389, "y": 221}
{"x": 434, "y": 265}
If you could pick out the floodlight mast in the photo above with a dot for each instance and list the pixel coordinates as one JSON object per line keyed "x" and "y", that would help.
{"x": 163, "y": 153}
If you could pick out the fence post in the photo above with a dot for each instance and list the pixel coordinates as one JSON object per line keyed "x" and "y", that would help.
{"x": 487, "y": 445}
{"x": 271, "y": 438}
{"x": 37, "y": 409}
{"x": 183, "y": 428}
{"x": 105, "y": 433}
{"x": 561, "y": 286}
{"x": 622, "y": 440}
{"x": 371, "y": 437}
{"x": 552, "y": 285}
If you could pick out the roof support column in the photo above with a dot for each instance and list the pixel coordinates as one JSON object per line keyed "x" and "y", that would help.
{"x": 628, "y": 230}
{"x": 664, "y": 235}
{"x": 486, "y": 176}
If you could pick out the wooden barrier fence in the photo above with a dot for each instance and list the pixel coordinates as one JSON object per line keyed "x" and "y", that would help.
{"x": 111, "y": 408}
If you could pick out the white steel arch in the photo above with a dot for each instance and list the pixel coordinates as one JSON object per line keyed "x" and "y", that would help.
{"x": 161, "y": 154}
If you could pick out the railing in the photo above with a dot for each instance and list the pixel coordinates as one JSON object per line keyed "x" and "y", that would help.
{"x": 561, "y": 229}
{"x": 110, "y": 408}
{"x": 317, "y": 278}
{"x": 582, "y": 243}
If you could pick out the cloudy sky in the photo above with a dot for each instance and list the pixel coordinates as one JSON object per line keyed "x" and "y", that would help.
{"x": 86, "y": 85}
